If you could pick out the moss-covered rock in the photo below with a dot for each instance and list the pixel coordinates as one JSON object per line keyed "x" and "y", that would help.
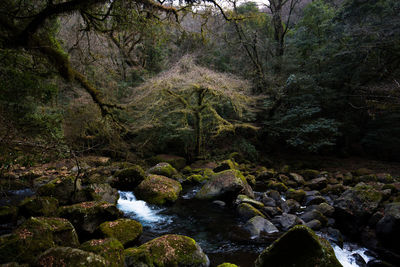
{"x": 309, "y": 174}
{"x": 87, "y": 216}
{"x": 63, "y": 189}
{"x": 245, "y": 199}
{"x": 226, "y": 165}
{"x": 164, "y": 169}
{"x": 157, "y": 189}
{"x": 195, "y": 179}
{"x": 225, "y": 185}
{"x": 125, "y": 230}
{"x": 247, "y": 211}
{"x": 361, "y": 172}
{"x": 103, "y": 192}
{"x": 176, "y": 161}
{"x": 281, "y": 187}
{"x": 38, "y": 206}
{"x": 299, "y": 247}
{"x": 110, "y": 249}
{"x": 167, "y": 250}
{"x": 227, "y": 264}
{"x": 128, "y": 178}
{"x": 66, "y": 256}
{"x": 297, "y": 178}
{"x": 298, "y": 195}
{"x": 355, "y": 206}
{"x": 35, "y": 236}
{"x": 318, "y": 183}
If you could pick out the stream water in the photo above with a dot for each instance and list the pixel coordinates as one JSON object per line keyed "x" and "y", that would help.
{"x": 216, "y": 229}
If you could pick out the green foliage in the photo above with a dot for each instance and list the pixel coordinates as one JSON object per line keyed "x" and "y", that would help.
{"x": 298, "y": 119}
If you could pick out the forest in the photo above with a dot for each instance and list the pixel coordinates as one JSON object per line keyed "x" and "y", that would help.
{"x": 225, "y": 133}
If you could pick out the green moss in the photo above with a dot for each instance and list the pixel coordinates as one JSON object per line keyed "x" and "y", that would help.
{"x": 110, "y": 249}
{"x": 164, "y": 169}
{"x": 247, "y": 211}
{"x": 167, "y": 250}
{"x": 38, "y": 206}
{"x": 226, "y": 165}
{"x": 226, "y": 264}
{"x": 196, "y": 178}
{"x": 125, "y": 230}
{"x": 251, "y": 179}
{"x": 157, "y": 189}
{"x": 367, "y": 193}
{"x": 61, "y": 188}
{"x": 34, "y": 237}
{"x": 65, "y": 256}
{"x": 281, "y": 187}
{"x": 297, "y": 195}
{"x": 299, "y": 247}
{"x": 187, "y": 170}
{"x": 245, "y": 199}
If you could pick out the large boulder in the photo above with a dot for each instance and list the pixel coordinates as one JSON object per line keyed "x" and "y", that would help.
{"x": 38, "y": 206}
{"x": 167, "y": 250}
{"x": 87, "y": 216}
{"x": 176, "y": 161}
{"x": 299, "y": 247}
{"x": 257, "y": 225}
{"x": 110, "y": 249}
{"x": 355, "y": 206}
{"x": 128, "y": 178}
{"x": 103, "y": 192}
{"x": 35, "y": 236}
{"x": 65, "y": 189}
{"x": 157, "y": 189}
{"x": 125, "y": 230}
{"x": 225, "y": 185}
{"x": 389, "y": 226}
{"x": 72, "y": 257}
{"x": 164, "y": 169}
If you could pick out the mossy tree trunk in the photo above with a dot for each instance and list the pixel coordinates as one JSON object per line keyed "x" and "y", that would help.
{"x": 199, "y": 121}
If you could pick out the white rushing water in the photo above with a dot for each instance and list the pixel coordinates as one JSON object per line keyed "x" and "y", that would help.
{"x": 139, "y": 209}
{"x": 345, "y": 255}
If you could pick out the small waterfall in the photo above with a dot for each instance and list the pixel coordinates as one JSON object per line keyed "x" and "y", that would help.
{"x": 345, "y": 255}
{"x": 139, "y": 209}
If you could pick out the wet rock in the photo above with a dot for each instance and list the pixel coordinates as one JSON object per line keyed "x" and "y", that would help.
{"x": 268, "y": 201}
{"x": 355, "y": 206}
{"x": 314, "y": 224}
{"x": 298, "y": 247}
{"x": 245, "y": 199}
{"x": 266, "y": 175}
{"x": 167, "y": 250}
{"x": 359, "y": 260}
{"x": 318, "y": 183}
{"x": 87, "y": 216}
{"x": 362, "y": 171}
{"x": 66, "y": 256}
{"x": 128, "y": 178}
{"x": 336, "y": 189}
{"x": 293, "y": 206}
{"x": 389, "y": 226}
{"x": 314, "y": 215}
{"x": 247, "y": 211}
{"x": 125, "y": 231}
{"x": 163, "y": 169}
{"x": 274, "y": 195}
{"x": 34, "y": 237}
{"x": 225, "y": 185}
{"x": 287, "y": 221}
{"x": 219, "y": 203}
{"x": 335, "y": 236}
{"x": 110, "y": 249}
{"x": 379, "y": 263}
{"x": 176, "y": 161}
{"x": 271, "y": 211}
{"x": 157, "y": 189}
{"x": 256, "y": 225}
{"x": 297, "y": 195}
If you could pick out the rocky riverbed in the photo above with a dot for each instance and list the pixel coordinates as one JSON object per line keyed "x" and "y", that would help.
{"x": 203, "y": 214}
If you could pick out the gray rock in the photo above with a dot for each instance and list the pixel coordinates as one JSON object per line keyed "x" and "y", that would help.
{"x": 256, "y": 225}
{"x": 314, "y": 224}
